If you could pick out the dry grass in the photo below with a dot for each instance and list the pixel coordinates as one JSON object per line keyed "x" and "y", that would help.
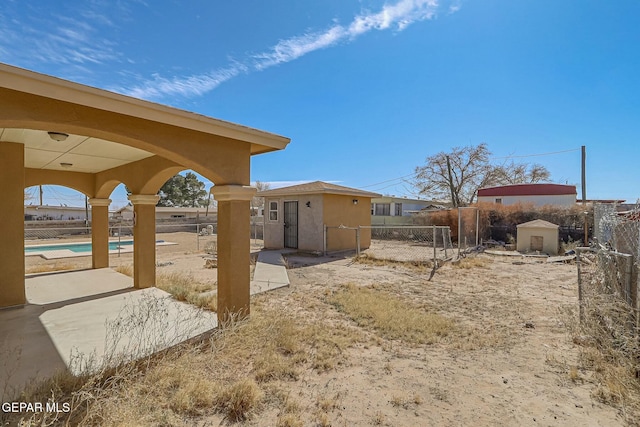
{"x": 472, "y": 262}
{"x": 46, "y": 268}
{"x": 183, "y": 287}
{"x": 390, "y": 316}
{"x": 610, "y": 351}
{"x": 232, "y": 374}
{"x": 415, "y": 266}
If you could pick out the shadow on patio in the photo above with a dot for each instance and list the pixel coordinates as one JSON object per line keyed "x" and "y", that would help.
{"x": 81, "y": 320}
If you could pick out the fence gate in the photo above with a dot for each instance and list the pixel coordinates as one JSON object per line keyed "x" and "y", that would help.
{"x": 291, "y": 225}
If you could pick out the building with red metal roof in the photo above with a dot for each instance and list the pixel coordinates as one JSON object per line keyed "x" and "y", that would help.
{"x": 538, "y": 194}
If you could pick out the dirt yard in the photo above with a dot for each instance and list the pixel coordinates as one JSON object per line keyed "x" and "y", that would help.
{"x": 509, "y": 359}
{"x": 516, "y": 365}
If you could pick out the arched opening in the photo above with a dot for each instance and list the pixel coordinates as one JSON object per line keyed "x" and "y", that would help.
{"x": 59, "y": 228}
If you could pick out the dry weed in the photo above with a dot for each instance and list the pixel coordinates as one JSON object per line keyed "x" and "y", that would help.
{"x": 183, "y": 287}
{"x": 46, "y": 268}
{"x": 415, "y": 266}
{"x": 609, "y": 348}
{"x": 229, "y": 374}
{"x": 393, "y": 319}
{"x": 472, "y": 262}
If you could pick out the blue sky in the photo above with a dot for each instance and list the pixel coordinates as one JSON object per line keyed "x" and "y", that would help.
{"x": 366, "y": 90}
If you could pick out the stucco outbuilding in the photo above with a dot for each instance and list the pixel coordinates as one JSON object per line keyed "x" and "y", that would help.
{"x": 295, "y": 217}
{"x": 53, "y": 131}
{"x": 538, "y": 235}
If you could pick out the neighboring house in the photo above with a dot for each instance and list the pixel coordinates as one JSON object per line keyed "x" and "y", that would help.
{"x": 55, "y": 213}
{"x": 163, "y": 213}
{"x": 538, "y": 194}
{"x": 296, "y": 216}
{"x": 396, "y": 210}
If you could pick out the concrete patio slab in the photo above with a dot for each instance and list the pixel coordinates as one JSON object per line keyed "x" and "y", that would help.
{"x": 80, "y": 320}
{"x": 50, "y": 288}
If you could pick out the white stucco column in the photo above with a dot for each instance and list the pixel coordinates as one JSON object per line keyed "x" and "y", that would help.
{"x": 144, "y": 239}
{"x": 99, "y": 232}
{"x": 234, "y": 248}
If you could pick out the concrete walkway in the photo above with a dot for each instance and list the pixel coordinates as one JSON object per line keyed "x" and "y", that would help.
{"x": 270, "y": 272}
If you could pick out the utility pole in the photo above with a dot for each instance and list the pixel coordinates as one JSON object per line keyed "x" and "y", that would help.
{"x": 584, "y": 196}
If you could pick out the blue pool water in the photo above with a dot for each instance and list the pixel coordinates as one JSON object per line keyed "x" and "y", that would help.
{"x": 78, "y": 247}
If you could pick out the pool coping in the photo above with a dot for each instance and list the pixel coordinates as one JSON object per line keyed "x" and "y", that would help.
{"x": 67, "y": 253}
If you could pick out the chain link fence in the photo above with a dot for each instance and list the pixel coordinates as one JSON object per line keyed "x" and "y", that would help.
{"x": 409, "y": 243}
{"x": 468, "y": 227}
{"x": 608, "y": 271}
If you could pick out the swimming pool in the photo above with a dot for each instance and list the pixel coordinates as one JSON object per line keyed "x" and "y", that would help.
{"x": 78, "y": 247}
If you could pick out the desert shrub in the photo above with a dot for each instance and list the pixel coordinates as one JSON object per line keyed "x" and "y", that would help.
{"x": 497, "y": 221}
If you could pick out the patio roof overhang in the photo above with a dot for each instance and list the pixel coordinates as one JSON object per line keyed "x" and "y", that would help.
{"x": 54, "y": 131}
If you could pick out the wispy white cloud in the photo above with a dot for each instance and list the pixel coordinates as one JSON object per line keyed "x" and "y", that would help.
{"x": 69, "y": 40}
{"x": 295, "y": 47}
{"x": 399, "y": 16}
{"x": 396, "y": 16}
{"x": 159, "y": 86}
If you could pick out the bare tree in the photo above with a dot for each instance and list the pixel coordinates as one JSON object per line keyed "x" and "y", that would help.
{"x": 459, "y": 174}
{"x": 521, "y": 173}
{"x": 257, "y": 202}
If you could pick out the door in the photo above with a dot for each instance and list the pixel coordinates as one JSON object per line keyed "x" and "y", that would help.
{"x": 537, "y": 243}
{"x": 291, "y": 225}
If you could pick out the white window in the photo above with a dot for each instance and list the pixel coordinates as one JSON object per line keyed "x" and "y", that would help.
{"x": 398, "y": 209}
{"x": 498, "y": 201}
{"x": 273, "y": 211}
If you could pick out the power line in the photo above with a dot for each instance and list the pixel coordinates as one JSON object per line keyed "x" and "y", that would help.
{"x": 389, "y": 180}
{"x": 537, "y": 155}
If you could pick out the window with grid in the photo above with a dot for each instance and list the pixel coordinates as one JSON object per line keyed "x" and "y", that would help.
{"x": 273, "y": 211}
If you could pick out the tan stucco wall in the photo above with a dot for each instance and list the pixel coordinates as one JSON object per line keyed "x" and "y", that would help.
{"x": 329, "y": 209}
{"x": 550, "y": 238}
{"x": 340, "y": 210}
{"x": 218, "y": 150}
{"x": 219, "y": 159}
{"x": 310, "y": 225}
{"x": 274, "y": 230}
{"x": 12, "y": 290}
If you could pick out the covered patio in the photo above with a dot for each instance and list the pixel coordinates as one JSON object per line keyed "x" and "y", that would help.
{"x": 87, "y": 320}
{"x": 58, "y": 132}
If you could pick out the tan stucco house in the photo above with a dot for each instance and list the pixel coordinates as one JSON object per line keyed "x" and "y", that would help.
{"x": 296, "y": 216}
{"x": 538, "y": 235}
{"x": 54, "y": 131}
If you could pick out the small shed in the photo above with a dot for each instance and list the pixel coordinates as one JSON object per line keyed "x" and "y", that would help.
{"x": 296, "y": 216}
{"x": 538, "y": 235}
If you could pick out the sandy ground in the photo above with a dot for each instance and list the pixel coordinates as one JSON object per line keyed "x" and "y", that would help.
{"x": 508, "y": 374}
{"x": 513, "y": 371}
